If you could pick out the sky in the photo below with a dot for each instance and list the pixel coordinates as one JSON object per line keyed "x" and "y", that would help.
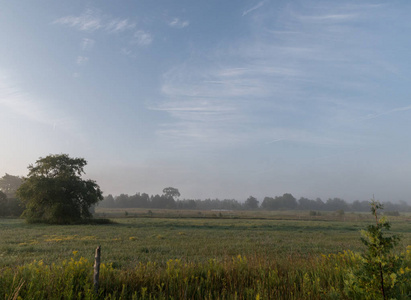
{"x": 220, "y": 99}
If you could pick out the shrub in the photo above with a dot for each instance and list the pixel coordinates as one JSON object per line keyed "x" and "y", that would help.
{"x": 340, "y": 212}
{"x": 381, "y": 274}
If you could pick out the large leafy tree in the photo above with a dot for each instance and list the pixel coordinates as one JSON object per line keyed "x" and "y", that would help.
{"x": 54, "y": 191}
{"x": 251, "y": 203}
{"x": 171, "y": 192}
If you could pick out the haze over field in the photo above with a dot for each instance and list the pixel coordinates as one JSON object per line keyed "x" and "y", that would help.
{"x": 217, "y": 98}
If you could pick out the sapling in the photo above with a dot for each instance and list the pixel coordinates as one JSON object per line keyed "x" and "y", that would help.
{"x": 379, "y": 274}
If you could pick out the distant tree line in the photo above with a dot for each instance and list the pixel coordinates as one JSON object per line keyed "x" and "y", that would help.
{"x": 10, "y": 205}
{"x": 284, "y": 202}
{"x": 162, "y": 201}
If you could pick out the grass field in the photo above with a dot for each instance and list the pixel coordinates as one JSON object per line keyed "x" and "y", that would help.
{"x": 140, "y": 237}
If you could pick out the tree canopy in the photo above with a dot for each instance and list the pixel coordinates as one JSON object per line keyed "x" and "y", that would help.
{"x": 54, "y": 191}
{"x": 9, "y": 184}
{"x": 171, "y": 192}
{"x": 3, "y": 204}
{"x": 251, "y": 203}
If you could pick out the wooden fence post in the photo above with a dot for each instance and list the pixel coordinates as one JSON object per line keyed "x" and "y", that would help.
{"x": 97, "y": 268}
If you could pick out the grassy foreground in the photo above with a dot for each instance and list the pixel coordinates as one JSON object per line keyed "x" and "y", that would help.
{"x": 275, "y": 256}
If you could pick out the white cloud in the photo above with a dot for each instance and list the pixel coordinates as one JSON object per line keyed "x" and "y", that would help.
{"x": 142, "y": 38}
{"x": 388, "y": 112}
{"x": 260, "y": 4}
{"x": 119, "y": 25}
{"x": 177, "y": 23}
{"x": 327, "y": 17}
{"x": 24, "y": 104}
{"x": 209, "y": 105}
{"x": 295, "y": 67}
{"x": 87, "y": 44}
{"x": 127, "y": 51}
{"x": 91, "y": 21}
{"x": 88, "y": 21}
{"x": 81, "y": 60}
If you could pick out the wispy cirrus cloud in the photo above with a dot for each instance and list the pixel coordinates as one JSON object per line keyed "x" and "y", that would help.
{"x": 296, "y": 79}
{"x": 234, "y": 107}
{"x": 17, "y": 101}
{"x": 328, "y": 17}
{"x": 119, "y": 25}
{"x": 142, "y": 38}
{"x": 177, "y": 23}
{"x": 88, "y": 21}
{"x": 87, "y": 44}
{"x": 257, "y": 6}
{"x": 92, "y": 20}
{"x": 81, "y": 60}
{"x": 388, "y": 112}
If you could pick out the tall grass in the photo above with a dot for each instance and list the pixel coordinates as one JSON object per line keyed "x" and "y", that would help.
{"x": 188, "y": 258}
{"x": 319, "y": 277}
{"x": 235, "y": 278}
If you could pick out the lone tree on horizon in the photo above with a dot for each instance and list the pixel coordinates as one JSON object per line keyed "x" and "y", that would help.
{"x": 171, "y": 192}
{"x": 55, "y": 193}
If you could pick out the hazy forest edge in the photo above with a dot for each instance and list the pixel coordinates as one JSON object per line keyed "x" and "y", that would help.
{"x": 56, "y": 172}
{"x": 10, "y": 205}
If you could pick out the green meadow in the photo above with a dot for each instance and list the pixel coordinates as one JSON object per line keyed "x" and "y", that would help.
{"x": 171, "y": 254}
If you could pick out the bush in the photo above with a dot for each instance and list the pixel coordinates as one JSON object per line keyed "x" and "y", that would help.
{"x": 314, "y": 213}
{"x": 381, "y": 274}
{"x": 340, "y": 212}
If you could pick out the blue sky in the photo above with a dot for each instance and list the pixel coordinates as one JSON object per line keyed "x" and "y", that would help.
{"x": 216, "y": 98}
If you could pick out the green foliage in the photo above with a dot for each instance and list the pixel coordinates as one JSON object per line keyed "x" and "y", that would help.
{"x": 340, "y": 212}
{"x": 286, "y": 201}
{"x": 251, "y": 203}
{"x": 54, "y": 191}
{"x": 14, "y": 207}
{"x": 3, "y": 204}
{"x": 235, "y": 277}
{"x": 171, "y": 192}
{"x": 381, "y": 273}
{"x": 9, "y": 204}
{"x": 314, "y": 213}
{"x": 9, "y": 184}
